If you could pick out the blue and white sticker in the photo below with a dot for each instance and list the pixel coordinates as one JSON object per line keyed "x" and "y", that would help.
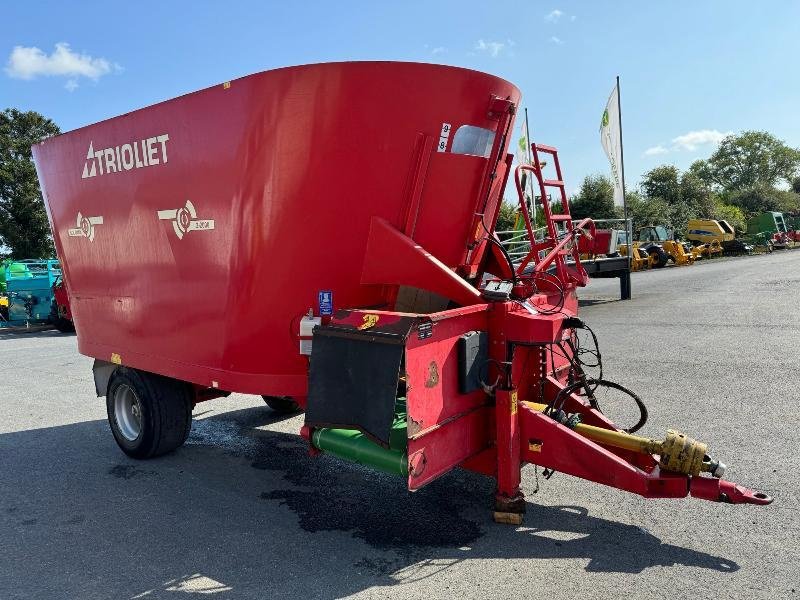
{"x": 325, "y": 303}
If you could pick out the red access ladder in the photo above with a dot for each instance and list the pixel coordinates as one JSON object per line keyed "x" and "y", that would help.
{"x": 559, "y": 242}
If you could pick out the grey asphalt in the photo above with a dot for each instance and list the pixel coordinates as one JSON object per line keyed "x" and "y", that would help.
{"x": 241, "y": 511}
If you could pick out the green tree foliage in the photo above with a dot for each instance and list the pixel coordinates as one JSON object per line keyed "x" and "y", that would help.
{"x": 764, "y": 198}
{"x": 662, "y": 182}
{"x": 507, "y": 217}
{"x": 750, "y": 160}
{"x": 795, "y": 185}
{"x": 647, "y": 211}
{"x": 683, "y": 196}
{"x": 24, "y": 229}
{"x": 697, "y": 195}
{"x": 732, "y": 214}
{"x": 595, "y": 199}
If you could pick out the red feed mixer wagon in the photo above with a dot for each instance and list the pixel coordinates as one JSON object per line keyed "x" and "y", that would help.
{"x": 336, "y": 220}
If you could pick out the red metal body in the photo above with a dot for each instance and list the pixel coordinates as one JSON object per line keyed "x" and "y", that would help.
{"x": 195, "y": 234}
{"x": 289, "y": 167}
{"x": 61, "y": 298}
{"x": 599, "y": 246}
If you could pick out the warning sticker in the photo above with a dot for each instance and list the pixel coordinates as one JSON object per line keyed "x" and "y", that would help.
{"x": 325, "y": 303}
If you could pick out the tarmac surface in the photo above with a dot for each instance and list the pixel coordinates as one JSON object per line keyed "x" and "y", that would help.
{"x": 242, "y": 511}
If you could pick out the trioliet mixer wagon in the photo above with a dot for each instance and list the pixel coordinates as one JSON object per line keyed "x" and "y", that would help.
{"x": 322, "y": 236}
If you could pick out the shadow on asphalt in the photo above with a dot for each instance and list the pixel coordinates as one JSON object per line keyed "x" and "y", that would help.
{"x": 212, "y": 518}
{"x": 595, "y": 301}
{"x": 33, "y": 332}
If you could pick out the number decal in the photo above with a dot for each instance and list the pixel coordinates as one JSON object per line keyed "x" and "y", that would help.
{"x": 444, "y": 135}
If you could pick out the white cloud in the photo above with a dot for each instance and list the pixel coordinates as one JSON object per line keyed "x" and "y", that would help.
{"x": 71, "y": 85}
{"x": 553, "y": 16}
{"x": 30, "y": 63}
{"x": 690, "y": 141}
{"x": 556, "y": 40}
{"x": 656, "y": 150}
{"x": 438, "y": 50}
{"x": 492, "y": 48}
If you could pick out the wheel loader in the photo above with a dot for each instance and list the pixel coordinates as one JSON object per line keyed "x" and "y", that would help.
{"x": 660, "y": 242}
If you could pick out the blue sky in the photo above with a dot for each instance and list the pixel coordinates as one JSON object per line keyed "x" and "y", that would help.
{"x": 690, "y": 71}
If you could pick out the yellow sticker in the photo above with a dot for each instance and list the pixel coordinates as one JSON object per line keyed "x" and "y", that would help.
{"x": 514, "y": 402}
{"x": 369, "y": 321}
{"x": 116, "y": 359}
{"x": 226, "y": 85}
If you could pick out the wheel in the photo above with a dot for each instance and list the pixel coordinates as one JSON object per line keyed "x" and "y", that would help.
{"x": 662, "y": 258}
{"x": 149, "y": 415}
{"x": 64, "y": 325}
{"x": 282, "y": 404}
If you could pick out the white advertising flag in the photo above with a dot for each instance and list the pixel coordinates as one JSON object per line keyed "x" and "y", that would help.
{"x": 524, "y": 148}
{"x": 611, "y": 138}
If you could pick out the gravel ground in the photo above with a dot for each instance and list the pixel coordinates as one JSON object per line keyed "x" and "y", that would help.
{"x": 242, "y": 512}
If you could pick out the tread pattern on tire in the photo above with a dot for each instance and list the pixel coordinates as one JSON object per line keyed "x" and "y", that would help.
{"x": 168, "y": 412}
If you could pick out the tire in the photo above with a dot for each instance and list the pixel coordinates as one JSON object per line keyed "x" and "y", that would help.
{"x": 284, "y": 405}
{"x": 64, "y": 325}
{"x": 149, "y": 415}
{"x": 662, "y": 258}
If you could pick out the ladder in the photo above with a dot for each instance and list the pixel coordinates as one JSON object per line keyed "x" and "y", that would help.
{"x": 559, "y": 241}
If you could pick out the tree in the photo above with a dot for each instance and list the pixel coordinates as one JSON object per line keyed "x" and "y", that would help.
{"x": 750, "y": 160}
{"x": 732, "y": 214}
{"x": 663, "y": 186}
{"x": 595, "y": 199}
{"x": 700, "y": 169}
{"x": 645, "y": 211}
{"x": 764, "y": 198}
{"x": 24, "y": 229}
{"x": 795, "y": 185}
{"x": 697, "y": 195}
{"x": 662, "y": 182}
{"x": 507, "y": 216}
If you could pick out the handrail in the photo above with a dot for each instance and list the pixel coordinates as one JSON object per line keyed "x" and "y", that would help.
{"x": 550, "y": 257}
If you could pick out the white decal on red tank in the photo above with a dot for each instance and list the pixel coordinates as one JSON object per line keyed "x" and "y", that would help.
{"x": 147, "y": 152}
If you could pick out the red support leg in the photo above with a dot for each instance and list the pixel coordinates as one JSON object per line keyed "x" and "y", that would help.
{"x": 509, "y": 500}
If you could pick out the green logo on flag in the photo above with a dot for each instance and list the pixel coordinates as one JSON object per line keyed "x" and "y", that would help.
{"x": 604, "y": 120}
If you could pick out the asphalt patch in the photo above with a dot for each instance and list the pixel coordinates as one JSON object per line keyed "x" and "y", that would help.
{"x": 329, "y": 494}
{"x": 128, "y": 471}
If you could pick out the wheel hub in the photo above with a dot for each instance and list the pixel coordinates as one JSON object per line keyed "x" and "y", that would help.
{"x": 127, "y": 412}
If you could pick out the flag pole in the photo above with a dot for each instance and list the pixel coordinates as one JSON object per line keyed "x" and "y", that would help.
{"x": 626, "y": 284}
{"x": 530, "y": 162}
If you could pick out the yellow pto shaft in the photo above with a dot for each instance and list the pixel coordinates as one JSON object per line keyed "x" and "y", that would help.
{"x": 677, "y": 452}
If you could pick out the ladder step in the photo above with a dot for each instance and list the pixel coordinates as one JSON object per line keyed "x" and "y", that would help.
{"x": 561, "y": 217}
{"x": 547, "y": 149}
{"x": 553, "y": 183}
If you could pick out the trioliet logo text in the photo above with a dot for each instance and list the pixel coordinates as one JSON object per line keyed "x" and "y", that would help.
{"x": 134, "y": 155}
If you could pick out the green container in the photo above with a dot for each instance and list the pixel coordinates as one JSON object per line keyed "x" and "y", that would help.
{"x": 766, "y": 222}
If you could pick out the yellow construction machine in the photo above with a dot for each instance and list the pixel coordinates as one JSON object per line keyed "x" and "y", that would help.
{"x": 715, "y": 237}
{"x": 660, "y": 242}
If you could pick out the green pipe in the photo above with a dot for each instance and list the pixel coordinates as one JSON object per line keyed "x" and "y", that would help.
{"x": 353, "y": 445}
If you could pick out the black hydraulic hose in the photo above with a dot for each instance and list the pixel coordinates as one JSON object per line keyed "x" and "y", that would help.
{"x": 562, "y": 395}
